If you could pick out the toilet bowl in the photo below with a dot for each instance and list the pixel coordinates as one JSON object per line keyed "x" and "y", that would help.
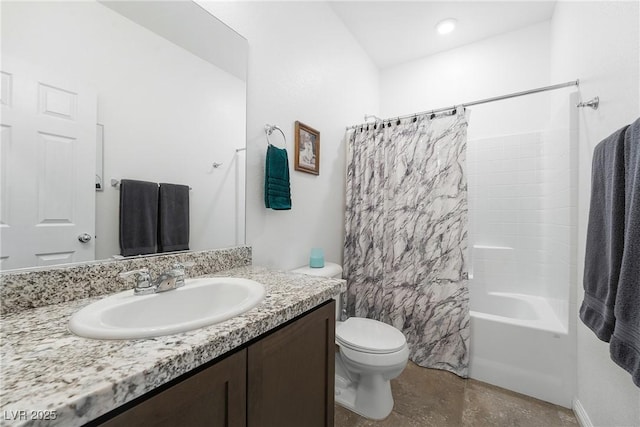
{"x": 371, "y": 354}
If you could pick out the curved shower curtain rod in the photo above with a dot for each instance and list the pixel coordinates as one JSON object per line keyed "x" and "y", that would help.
{"x": 482, "y": 101}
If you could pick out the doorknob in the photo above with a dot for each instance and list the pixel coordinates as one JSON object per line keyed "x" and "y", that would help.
{"x": 84, "y": 238}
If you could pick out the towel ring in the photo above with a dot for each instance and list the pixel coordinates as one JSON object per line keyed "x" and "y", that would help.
{"x": 268, "y": 129}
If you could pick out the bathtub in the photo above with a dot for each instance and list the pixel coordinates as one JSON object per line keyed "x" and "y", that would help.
{"x": 518, "y": 342}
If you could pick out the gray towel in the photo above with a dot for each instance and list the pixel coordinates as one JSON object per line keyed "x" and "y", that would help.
{"x": 605, "y": 236}
{"x": 625, "y": 342}
{"x": 173, "y": 218}
{"x": 138, "y": 217}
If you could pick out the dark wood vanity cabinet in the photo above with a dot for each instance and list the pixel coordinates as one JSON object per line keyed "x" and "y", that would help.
{"x": 215, "y": 396}
{"x": 283, "y": 378}
{"x": 290, "y": 373}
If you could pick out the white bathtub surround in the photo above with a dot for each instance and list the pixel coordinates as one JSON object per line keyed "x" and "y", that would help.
{"x": 521, "y": 207}
{"x": 516, "y": 309}
{"x": 519, "y": 343}
{"x": 406, "y": 234}
{"x": 521, "y": 204}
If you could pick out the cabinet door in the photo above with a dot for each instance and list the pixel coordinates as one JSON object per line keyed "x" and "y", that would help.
{"x": 213, "y": 397}
{"x": 291, "y": 373}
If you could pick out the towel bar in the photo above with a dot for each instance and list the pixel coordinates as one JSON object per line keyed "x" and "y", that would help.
{"x": 115, "y": 183}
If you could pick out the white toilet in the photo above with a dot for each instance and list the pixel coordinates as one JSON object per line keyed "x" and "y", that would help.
{"x": 371, "y": 354}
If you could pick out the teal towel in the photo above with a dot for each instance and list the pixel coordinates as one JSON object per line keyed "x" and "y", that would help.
{"x": 277, "y": 193}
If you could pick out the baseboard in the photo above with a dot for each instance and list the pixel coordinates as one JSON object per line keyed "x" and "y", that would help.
{"x": 581, "y": 414}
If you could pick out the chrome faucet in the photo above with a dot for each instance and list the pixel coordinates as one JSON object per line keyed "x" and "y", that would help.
{"x": 171, "y": 279}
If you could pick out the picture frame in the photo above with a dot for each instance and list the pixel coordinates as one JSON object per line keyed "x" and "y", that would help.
{"x": 307, "y": 149}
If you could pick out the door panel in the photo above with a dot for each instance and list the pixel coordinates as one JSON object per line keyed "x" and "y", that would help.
{"x": 55, "y": 179}
{"x": 48, "y": 168}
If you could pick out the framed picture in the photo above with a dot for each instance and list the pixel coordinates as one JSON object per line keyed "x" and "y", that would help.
{"x": 307, "y": 154}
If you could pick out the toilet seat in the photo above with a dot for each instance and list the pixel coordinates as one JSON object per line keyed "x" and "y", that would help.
{"x": 369, "y": 336}
{"x": 370, "y": 362}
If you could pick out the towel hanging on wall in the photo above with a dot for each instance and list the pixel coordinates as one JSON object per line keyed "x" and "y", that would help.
{"x": 173, "y": 218}
{"x": 277, "y": 191}
{"x": 625, "y": 341}
{"x": 611, "y": 305}
{"x": 138, "y": 217}
{"x": 605, "y": 236}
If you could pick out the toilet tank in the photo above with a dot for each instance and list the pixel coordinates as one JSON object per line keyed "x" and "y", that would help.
{"x": 330, "y": 270}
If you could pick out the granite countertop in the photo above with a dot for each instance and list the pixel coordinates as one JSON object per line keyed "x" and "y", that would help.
{"x": 48, "y": 371}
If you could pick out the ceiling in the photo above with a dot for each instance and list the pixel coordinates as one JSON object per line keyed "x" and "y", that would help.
{"x": 393, "y": 32}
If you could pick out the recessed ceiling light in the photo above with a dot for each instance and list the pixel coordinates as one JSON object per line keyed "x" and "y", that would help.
{"x": 446, "y": 26}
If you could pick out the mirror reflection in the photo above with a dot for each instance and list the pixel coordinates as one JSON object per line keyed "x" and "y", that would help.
{"x": 165, "y": 103}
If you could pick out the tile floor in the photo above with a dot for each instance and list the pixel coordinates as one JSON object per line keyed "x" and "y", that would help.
{"x": 429, "y": 397}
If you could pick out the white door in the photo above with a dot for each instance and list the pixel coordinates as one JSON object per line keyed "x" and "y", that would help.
{"x": 47, "y": 187}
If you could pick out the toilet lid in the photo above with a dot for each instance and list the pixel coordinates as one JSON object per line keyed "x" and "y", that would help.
{"x": 368, "y": 335}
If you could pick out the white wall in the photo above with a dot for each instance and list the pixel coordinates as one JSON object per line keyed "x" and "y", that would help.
{"x": 507, "y": 63}
{"x": 168, "y": 115}
{"x": 303, "y": 65}
{"x": 599, "y": 42}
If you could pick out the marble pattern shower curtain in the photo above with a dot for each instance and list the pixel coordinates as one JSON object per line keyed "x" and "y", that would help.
{"x": 406, "y": 235}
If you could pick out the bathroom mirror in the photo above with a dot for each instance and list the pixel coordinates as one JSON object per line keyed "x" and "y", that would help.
{"x": 164, "y": 81}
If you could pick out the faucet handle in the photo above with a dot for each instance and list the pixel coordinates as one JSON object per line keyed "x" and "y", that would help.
{"x": 143, "y": 280}
{"x": 180, "y": 267}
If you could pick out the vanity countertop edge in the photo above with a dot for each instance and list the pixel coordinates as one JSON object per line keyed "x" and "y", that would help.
{"x": 48, "y": 370}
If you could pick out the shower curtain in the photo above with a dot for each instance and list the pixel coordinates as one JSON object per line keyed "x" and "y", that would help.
{"x": 406, "y": 234}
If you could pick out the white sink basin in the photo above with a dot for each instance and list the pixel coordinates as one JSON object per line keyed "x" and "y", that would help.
{"x": 200, "y": 302}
